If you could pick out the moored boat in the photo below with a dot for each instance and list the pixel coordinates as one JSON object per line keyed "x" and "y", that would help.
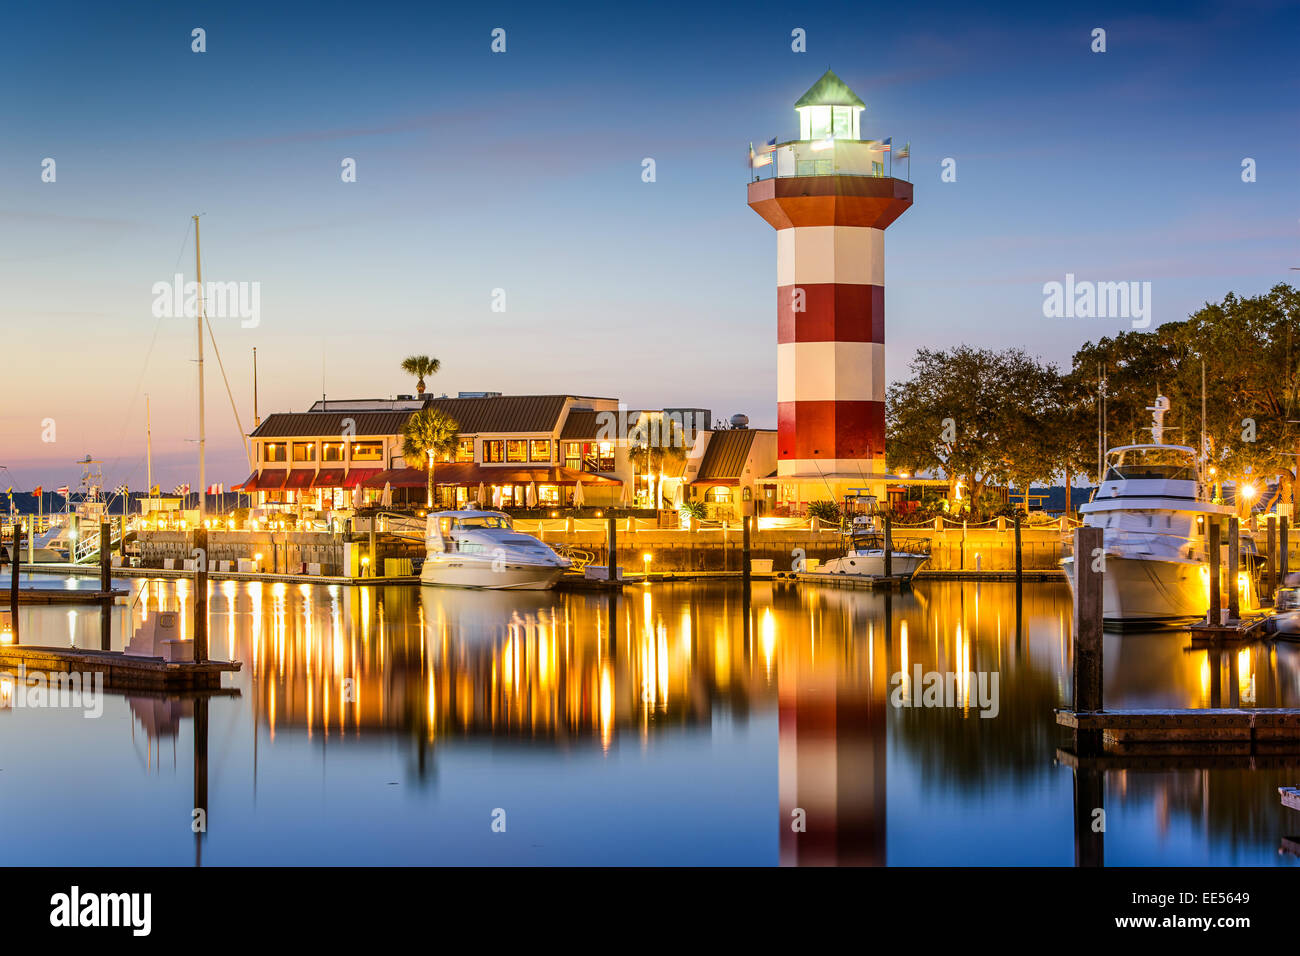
{"x": 481, "y": 549}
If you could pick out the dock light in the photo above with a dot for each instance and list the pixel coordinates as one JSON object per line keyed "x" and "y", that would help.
{"x": 646, "y": 558}
{"x": 1213, "y": 471}
{"x": 600, "y": 514}
{"x": 7, "y": 636}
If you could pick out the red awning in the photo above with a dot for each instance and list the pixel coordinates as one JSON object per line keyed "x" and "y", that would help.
{"x": 299, "y": 479}
{"x": 359, "y": 476}
{"x": 472, "y": 475}
{"x": 400, "y": 478}
{"x": 329, "y": 478}
{"x": 268, "y": 479}
{"x": 247, "y": 484}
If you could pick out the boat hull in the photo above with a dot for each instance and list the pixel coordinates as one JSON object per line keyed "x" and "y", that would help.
{"x": 872, "y": 565}
{"x": 1149, "y": 592}
{"x": 459, "y": 572}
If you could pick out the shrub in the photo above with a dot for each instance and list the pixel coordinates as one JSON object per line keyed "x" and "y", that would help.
{"x": 828, "y": 511}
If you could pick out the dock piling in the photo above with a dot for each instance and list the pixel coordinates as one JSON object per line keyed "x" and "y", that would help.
{"x": 1270, "y": 535}
{"x": 1234, "y": 556}
{"x": 15, "y": 565}
{"x": 1020, "y": 570}
{"x": 1212, "y": 614}
{"x": 1088, "y": 608}
{"x": 611, "y": 543}
{"x": 889, "y": 547}
{"x": 105, "y": 586}
{"x": 744, "y": 549}
{"x": 1283, "y": 551}
{"x": 200, "y": 596}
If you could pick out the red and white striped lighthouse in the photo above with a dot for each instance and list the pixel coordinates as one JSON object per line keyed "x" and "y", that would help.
{"x": 830, "y": 199}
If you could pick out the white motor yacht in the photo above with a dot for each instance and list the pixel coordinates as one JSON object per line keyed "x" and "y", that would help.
{"x": 482, "y": 549}
{"x": 1152, "y": 508}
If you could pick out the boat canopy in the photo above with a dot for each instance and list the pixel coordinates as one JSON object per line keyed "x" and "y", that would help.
{"x": 1161, "y": 462}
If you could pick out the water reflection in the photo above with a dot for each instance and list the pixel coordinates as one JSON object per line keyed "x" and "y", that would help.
{"x": 799, "y": 717}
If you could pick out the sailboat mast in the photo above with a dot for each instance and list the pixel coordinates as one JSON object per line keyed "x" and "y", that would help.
{"x": 148, "y": 446}
{"x": 257, "y": 419}
{"x": 198, "y": 274}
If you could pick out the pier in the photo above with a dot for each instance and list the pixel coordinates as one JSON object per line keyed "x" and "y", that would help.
{"x": 121, "y": 672}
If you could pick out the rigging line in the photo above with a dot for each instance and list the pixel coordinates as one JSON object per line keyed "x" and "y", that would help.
{"x": 243, "y": 438}
{"x": 147, "y": 355}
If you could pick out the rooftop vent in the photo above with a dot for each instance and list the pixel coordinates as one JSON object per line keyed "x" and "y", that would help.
{"x": 739, "y": 421}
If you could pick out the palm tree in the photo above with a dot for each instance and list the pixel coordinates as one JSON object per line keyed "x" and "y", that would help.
{"x": 427, "y": 434}
{"x": 420, "y": 366}
{"x": 665, "y": 454}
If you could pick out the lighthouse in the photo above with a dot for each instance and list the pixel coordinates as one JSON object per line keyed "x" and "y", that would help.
{"x": 830, "y": 199}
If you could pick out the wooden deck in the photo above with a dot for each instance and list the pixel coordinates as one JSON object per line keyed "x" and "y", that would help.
{"x": 1290, "y": 797}
{"x": 60, "y": 596}
{"x": 1250, "y": 628}
{"x": 120, "y": 671}
{"x": 1225, "y": 731}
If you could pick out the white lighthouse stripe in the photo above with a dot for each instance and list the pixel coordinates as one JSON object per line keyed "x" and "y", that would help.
{"x": 830, "y": 372}
{"x": 823, "y": 468}
{"x": 852, "y": 255}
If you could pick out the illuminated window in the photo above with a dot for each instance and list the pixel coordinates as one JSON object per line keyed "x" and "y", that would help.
{"x": 548, "y": 493}
{"x": 367, "y": 451}
{"x": 819, "y": 121}
{"x": 331, "y": 451}
{"x": 516, "y": 449}
{"x": 275, "y": 451}
{"x": 719, "y": 495}
{"x": 842, "y": 122}
{"x": 465, "y": 450}
{"x": 539, "y": 449}
{"x": 494, "y": 451}
{"x": 572, "y": 454}
{"x": 304, "y": 451}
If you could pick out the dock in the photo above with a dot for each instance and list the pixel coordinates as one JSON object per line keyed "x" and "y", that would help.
{"x": 1226, "y": 731}
{"x": 1290, "y": 797}
{"x": 120, "y": 671}
{"x": 1249, "y": 628}
{"x": 61, "y": 596}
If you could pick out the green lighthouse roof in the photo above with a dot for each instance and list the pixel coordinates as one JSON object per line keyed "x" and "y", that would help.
{"x": 830, "y": 90}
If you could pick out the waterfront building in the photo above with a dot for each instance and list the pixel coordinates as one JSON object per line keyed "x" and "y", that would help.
{"x": 830, "y": 198}
{"x": 342, "y": 452}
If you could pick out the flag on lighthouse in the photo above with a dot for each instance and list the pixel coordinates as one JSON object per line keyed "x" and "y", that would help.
{"x": 905, "y": 152}
{"x": 888, "y": 144}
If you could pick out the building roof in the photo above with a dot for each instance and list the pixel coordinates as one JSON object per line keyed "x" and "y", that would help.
{"x": 581, "y": 424}
{"x": 726, "y": 454}
{"x": 830, "y": 90}
{"x": 465, "y": 473}
{"x": 506, "y": 413}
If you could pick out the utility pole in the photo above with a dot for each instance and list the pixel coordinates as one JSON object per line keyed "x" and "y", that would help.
{"x": 198, "y": 274}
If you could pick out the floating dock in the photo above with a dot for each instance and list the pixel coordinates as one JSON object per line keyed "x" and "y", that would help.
{"x": 120, "y": 671}
{"x": 60, "y": 596}
{"x": 1227, "y": 731}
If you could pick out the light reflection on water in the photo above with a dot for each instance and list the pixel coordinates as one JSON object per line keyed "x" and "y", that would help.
{"x": 675, "y": 724}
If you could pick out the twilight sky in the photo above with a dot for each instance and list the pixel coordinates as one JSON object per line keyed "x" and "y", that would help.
{"x": 522, "y": 171}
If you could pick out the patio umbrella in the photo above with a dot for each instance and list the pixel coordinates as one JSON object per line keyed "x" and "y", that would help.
{"x": 358, "y": 498}
{"x": 677, "y": 495}
{"x": 625, "y": 496}
{"x": 577, "y": 493}
{"x": 532, "y": 494}
{"x": 496, "y": 497}
{"x": 482, "y": 495}
{"x": 387, "y": 498}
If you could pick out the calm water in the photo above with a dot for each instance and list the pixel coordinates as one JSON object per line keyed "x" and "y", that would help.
{"x": 673, "y": 725}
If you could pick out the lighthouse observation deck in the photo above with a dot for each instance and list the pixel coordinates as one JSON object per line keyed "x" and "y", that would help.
{"x": 830, "y": 157}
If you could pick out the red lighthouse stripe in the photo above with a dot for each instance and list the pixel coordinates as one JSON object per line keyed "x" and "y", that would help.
{"x": 832, "y": 312}
{"x": 830, "y": 429}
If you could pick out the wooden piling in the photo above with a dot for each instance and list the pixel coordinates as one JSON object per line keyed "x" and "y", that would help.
{"x": 1283, "y": 551}
{"x": 1088, "y": 607}
{"x": 15, "y": 565}
{"x": 1234, "y": 548}
{"x": 611, "y": 543}
{"x": 1212, "y": 615}
{"x": 744, "y": 548}
{"x": 1020, "y": 570}
{"x": 201, "y": 596}
{"x": 889, "y": 547}
{"x": 105, "y": 585}
{"x": 1270, "y": 533}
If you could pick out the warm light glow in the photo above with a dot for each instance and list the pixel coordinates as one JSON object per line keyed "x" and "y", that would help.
{"x": 1248, "y": 491}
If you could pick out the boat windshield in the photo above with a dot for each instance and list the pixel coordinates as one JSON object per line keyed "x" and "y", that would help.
{"x": 486, "y": 521}
{"x": 1167, "y": 463}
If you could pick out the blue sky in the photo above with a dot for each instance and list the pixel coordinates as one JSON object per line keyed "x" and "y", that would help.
{"x": 522, "y": 171}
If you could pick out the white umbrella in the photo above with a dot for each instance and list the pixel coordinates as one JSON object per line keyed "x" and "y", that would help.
{"x": 482, "y": 495}
{"x": 496, "y": 497}
{"x": 358, "y": 497}
{"x": 387, "y": 498}
{"x": 677, "y": 495}
{"x": 625, "y": 496}
{"x": 532, "y": 494}
{"x": 577, "y": 493}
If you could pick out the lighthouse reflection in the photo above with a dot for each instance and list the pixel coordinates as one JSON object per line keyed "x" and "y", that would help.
{"x": 865, "y": 713}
